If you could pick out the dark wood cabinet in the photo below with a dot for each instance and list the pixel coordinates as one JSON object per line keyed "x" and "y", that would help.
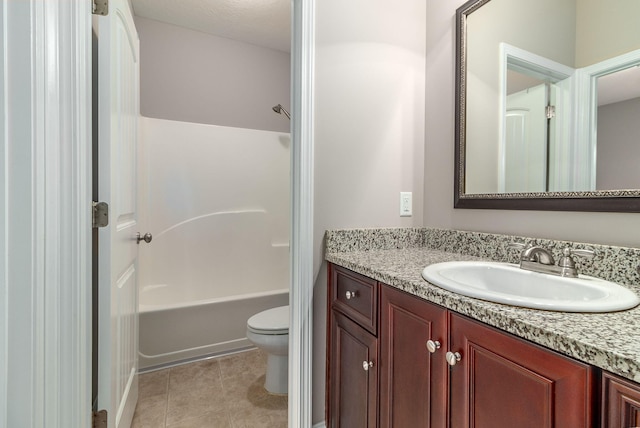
{"x": 413, "y": 380}
{"x": 502, "y": 381}
{"x": 352, "y": 368}
{"x": 499, "y": 380}
{"x": 620, "y": 402}
{"x": 354, "y": 380}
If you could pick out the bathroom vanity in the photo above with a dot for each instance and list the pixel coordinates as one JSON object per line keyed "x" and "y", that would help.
{"x": 405, "y": 353}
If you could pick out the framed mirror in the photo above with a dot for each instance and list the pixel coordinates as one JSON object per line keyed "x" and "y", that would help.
{"x": 548, "y": 105}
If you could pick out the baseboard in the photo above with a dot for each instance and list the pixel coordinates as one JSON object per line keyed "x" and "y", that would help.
{"x": 320, "y": 425}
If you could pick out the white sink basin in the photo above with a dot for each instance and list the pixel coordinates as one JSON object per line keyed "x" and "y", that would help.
{"x": 507, "y": 283}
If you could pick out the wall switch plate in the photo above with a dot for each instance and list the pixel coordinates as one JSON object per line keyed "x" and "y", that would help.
{"x": 405, "y": 204}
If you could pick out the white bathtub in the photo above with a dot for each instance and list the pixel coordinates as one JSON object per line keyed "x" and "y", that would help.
{"x": 205, "y": 278}
{"x": 182, "y": 332}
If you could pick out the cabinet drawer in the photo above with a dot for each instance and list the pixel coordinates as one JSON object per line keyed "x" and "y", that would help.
{"x": 355, "y": 296}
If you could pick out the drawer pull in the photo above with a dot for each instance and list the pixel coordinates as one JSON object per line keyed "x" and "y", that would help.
{"x": 351, "y": 295}
{"x": 453, "y": 358}
{"x": 366, "y": 365}
{"x": 433, "y": 345}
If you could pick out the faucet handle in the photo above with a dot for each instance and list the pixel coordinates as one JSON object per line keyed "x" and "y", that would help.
{"x": 566, "y": 261}
{"x": 518, "y": 246}
{"x": 587, "y": 253}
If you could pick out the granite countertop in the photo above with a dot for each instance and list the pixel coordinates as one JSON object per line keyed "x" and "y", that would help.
{"x": 610, "y": 341}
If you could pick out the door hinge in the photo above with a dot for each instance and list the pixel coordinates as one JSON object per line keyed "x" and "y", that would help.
{"x": 100, "y": 7}
{"x": 99, "y": 419}
{"x": 100, "y": 214}
{"x": 551, "y": 112}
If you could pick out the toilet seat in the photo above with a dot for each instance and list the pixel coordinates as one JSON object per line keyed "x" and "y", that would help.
{"x": 273, "y": 321}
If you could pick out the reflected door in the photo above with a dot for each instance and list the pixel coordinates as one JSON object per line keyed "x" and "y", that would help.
{"x": 525, "y": 144}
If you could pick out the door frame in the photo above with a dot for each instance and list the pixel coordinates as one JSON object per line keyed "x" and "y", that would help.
{"x": 301, "y": 257}
{"x": 45, "y": 344}
{"x": 45, "y": 258}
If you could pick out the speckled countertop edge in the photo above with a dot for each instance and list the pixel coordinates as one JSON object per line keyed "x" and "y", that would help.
{"x": 610, "y": 341}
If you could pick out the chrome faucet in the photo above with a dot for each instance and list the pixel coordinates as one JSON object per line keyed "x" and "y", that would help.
{"x": 538, "y": 259}
{"x": 536, "y": 254}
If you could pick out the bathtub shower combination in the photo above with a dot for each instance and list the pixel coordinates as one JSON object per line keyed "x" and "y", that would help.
{"x": 216, "y": 200}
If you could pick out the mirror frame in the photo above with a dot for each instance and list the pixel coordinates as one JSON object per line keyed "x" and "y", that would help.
{"x": 596, "y": 201}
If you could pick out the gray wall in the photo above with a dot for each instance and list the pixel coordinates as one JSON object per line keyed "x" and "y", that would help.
{"x": 618, "y": 146}
{"x": 369, "y": 129}
{"x": 192, "y": 76}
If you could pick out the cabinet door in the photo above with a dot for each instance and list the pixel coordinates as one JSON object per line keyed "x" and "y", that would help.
{"x": 620, "y": 402}
{"x": 504, "y": 382}
{"x": 413, "y": 381}
{"x": 353, "y": 375}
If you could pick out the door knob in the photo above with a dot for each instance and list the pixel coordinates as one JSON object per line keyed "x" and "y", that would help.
{"x": 146, "y": 238}
{"x": 366, "y": 365}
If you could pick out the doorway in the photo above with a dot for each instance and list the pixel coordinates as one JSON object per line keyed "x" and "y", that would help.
{"x": 301, "y": 201}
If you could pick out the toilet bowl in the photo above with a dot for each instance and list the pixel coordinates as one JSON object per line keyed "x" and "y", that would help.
{"x": 269, "y": 330}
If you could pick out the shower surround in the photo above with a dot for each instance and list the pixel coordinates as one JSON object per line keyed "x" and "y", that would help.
{"x": 216, "y": 200}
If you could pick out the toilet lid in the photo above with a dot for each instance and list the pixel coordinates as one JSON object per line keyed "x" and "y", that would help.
{"x": 271, "y": 321}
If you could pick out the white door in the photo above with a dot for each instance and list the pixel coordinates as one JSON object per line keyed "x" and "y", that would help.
{"x": 525, "y": 151}
{"x": 118, "y": 111}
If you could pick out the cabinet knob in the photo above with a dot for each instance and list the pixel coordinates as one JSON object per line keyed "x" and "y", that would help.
{"x": 366, "y": 365}
{"x": 351, "y": 295}
{"x": 433, "y": 345}
{"x": 453, "y": 358}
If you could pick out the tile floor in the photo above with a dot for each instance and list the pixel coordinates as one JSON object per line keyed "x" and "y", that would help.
{"x": 225, "y": 392}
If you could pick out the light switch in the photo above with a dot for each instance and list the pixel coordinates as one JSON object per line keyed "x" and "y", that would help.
{"x": 405, "y": 204}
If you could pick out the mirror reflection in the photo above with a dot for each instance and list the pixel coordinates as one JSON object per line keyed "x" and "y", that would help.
{"x": 552, "y": 96}
{"x": 618, "y": 130}
{"x": 527, "y": 137}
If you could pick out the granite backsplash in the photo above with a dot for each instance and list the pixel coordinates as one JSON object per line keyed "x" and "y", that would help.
{"x": 616, "y": 264}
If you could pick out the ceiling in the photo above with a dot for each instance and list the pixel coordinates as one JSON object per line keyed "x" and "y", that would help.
{"x": 264, "y": 23}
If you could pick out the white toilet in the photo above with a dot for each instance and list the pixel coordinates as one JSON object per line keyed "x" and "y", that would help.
{"x": 269, "y": 330}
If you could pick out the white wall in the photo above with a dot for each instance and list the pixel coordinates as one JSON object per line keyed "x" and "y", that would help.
{"x": 197, "y": 77}
{"x": 603, "y": 228}
{"x": 369, "y": 129}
